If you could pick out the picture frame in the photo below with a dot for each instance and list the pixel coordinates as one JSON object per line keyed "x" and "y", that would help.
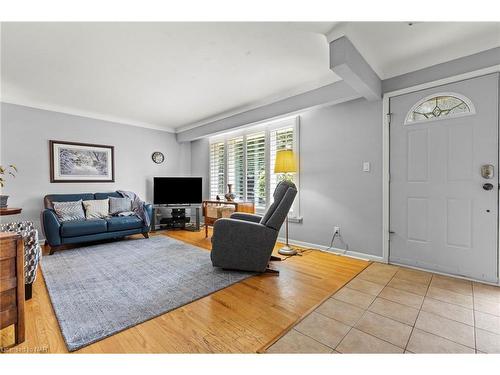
{"x": 81, "y": 162}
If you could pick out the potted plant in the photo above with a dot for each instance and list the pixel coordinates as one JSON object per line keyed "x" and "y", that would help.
{"x": 11, "y": 170}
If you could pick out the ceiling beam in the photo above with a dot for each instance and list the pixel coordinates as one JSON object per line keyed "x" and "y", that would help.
{"x": 334, "y": 93}
{"x": 462, "y": 65}
{"x": 347, "y": 62}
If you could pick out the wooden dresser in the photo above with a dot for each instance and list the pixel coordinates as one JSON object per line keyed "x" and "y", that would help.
{"x": 12, "y": 283}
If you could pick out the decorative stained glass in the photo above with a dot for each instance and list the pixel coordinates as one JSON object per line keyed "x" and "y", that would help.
{"x": 440, "y": 105}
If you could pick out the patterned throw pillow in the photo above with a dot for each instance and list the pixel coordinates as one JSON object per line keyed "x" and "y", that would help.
{"x": 96, "y": 209}
{"x": 117, "y": 205}
{"x": 67, "y": 211}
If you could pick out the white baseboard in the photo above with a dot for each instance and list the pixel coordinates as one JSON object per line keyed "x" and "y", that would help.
{"x": 334, "y": 250}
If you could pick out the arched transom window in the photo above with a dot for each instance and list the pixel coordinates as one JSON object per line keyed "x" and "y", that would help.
{"x": 440, "y": 106}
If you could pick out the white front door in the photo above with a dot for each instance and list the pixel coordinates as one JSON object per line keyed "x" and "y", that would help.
{"x": 443, "y": 213}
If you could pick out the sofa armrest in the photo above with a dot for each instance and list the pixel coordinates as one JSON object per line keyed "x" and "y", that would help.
{"x": 148, "y": 207}
{"x": 246, "y": 217}
{"x": 51, "y": 226}
{"x": 242, "y": 245}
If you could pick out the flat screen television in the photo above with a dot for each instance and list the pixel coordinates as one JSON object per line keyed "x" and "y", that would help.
{"x": 177, "y": 190}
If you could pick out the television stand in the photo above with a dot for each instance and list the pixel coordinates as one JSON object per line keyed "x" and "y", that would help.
{"x": 176, "y": 217}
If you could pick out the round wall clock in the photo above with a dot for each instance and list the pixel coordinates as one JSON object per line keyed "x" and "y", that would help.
{"x": 158, "y": 157}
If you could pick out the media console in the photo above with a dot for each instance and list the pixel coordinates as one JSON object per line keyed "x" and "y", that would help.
{"x": 177, "y": 218}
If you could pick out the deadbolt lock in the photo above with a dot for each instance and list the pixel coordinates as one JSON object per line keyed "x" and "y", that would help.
{"x": 488, "y": 186}
{"x": 487, "y": 171}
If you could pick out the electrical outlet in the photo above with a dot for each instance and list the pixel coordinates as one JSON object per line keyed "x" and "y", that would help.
{"x": 336, "y": 230}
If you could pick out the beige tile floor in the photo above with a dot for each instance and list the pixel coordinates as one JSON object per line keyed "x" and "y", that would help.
{"x": 390, "y": 309}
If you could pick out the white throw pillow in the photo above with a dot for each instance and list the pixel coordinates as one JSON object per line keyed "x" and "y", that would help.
{"x": 96, "y": 209}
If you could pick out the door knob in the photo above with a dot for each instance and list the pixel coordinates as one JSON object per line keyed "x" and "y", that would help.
{"x": 488, "y": 186}
{"x": 487, "y": 171}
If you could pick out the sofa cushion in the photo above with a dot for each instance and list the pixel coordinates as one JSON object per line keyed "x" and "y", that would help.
{"x": 67, "y": 211}
{"x": 117, "y": 223}
{"x": 83, "y": 227}
{"x": 96, "y": 209}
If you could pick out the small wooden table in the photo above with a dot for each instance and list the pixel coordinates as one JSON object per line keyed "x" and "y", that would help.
{"x": 247, "y": 207}
{"x": 10, "y": 211}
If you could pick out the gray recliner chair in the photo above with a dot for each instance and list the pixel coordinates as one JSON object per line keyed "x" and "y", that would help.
{"x": 245, "y": 242}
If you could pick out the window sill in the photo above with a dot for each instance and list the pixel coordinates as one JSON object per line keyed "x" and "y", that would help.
{"x": 295, "y": 219}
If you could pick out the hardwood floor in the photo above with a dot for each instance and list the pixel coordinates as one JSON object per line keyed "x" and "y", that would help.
{"x": 243, "y": 318}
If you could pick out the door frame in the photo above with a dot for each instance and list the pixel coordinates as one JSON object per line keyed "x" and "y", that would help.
{"x": 386, "y": 145}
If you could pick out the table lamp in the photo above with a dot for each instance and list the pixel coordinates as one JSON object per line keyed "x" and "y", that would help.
{"x": 286, "y": 163}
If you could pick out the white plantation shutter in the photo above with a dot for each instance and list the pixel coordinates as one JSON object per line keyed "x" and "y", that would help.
{"x": 280, "y": 139}
{"x": 256, "y": 169}
{"x": 246, "y": 160}
{"x": 217, "y": 169}
{"x": 236, "y": 166}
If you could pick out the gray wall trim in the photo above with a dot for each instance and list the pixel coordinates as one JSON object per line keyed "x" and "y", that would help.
{"x": 451, "y": 68}
{"x": 347, "y": 62}
{"x": 334, "y": 93}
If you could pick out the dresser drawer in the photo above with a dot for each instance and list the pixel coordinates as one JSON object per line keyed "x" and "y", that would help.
{"x": 8, "y": 317}
{"x": 8, "y": 268}
{"x": 7, "y": 284}
{"x": 8, "y": 249}
{"x": 8, "y": 300}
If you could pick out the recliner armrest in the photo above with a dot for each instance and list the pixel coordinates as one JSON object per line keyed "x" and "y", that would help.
{"x": 51, "y": 227}
{"x": 246, "y": 217}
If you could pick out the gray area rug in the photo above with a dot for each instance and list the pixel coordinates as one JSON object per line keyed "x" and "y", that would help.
{"x": 99, "y": 290}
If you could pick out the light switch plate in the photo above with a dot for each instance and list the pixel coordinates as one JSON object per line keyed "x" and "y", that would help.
{"x": 366, "y": 166}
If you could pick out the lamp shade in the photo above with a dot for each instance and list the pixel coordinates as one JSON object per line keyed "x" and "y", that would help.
{"x": 285, "y": 162}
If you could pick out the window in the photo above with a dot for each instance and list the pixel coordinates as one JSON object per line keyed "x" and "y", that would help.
{"x": 236, "y": 166}
{"x": 246, "y": 160}
{"x": 438, "y": 106}
{"x": 256, "y": 169}
{"x": 217, "y": 185}
{"x": 280, "y": 139}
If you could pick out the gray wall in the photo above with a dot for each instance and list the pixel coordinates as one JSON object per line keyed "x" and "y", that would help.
{"x": 334, "y": 142}
{"x": 25, "y": 135}
{"x": 334, "y": 190}
{"x": 200, "y": 163}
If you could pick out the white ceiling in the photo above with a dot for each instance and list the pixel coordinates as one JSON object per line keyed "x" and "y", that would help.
{"x": 394, "y": 48}
{"x": 173, "y": 75}
{"x": 160, "y": 74}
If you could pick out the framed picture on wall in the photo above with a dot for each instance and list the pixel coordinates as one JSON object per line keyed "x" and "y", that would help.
{"x": 81, "y": 162}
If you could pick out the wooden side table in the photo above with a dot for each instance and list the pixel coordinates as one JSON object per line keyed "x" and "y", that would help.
{"x": 10, "y": 211}
{"x": 12, "y": 283}
{"x": 247, "y": 207}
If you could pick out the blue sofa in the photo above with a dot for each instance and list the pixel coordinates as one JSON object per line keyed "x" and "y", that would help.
{"x": 69, "y": 232}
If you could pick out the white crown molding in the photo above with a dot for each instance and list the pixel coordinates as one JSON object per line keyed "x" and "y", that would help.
{"x": 88, "y": 114}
